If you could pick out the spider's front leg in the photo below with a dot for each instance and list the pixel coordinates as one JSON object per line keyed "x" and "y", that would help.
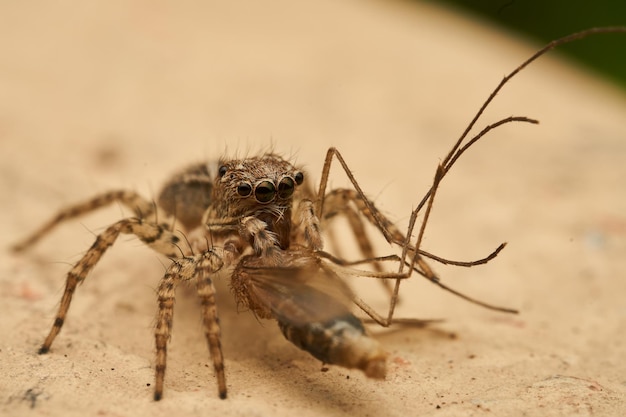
{"x": 156, "y": 236}
{"x": 201, "y": 267}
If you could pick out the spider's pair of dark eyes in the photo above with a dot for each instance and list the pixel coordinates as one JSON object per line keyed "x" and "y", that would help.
{"x": 265, "y": 191}
{"x": 298, "y": 177}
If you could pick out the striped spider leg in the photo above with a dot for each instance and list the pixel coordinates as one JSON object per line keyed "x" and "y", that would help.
{"x": 184, "y": 266}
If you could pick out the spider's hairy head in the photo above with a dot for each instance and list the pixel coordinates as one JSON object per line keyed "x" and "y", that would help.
{"x": 250, "y": 186}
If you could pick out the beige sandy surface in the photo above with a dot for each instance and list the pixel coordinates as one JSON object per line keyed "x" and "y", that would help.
{"x": 102, "y": 95}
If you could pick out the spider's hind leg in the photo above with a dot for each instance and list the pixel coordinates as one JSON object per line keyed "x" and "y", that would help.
{"x": 140, "y": 206}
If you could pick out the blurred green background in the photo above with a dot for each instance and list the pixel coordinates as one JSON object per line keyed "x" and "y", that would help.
{"x": 547, "y": 20}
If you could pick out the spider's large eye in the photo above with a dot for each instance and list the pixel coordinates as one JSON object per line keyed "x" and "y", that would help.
{"x": 299, "y": 177}
{"x": 244, "y": 189}
{"x": 264, "y": 192}
{"x": 285, "y": 188}
{"x": 222, "y": 171}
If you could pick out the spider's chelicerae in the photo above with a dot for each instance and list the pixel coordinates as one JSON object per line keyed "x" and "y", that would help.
{"x": 258, "y": 220}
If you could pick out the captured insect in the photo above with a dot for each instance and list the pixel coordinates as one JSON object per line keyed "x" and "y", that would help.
{"x": 260, "y": 221}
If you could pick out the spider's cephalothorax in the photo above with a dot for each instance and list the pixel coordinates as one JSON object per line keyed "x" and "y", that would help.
{"x": 259, "y": 187}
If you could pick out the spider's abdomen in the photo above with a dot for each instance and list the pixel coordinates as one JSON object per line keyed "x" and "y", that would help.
{"x": 188, "y": 195}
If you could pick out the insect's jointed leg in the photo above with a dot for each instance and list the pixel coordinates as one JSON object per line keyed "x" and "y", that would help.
{"x": 352, "y": 202}
{"x": 348, "y": 203}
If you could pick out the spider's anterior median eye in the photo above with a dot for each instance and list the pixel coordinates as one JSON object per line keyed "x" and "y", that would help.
{"x": 299, "y": 177}
{"x": 285, "y": 188}
{"x": 264, "y": 192}
{"x": 222, "y": 170}
{"x": 244, "y": 189}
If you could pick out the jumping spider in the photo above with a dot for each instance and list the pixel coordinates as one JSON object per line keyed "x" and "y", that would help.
{"x": 259, "y": 220}
{"x": 250, "y": 216}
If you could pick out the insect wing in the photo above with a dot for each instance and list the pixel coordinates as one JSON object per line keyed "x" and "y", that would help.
{"x": 299, "y": 296}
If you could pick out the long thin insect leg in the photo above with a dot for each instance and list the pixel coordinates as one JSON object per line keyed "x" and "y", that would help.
{"x": 453, "y": 155}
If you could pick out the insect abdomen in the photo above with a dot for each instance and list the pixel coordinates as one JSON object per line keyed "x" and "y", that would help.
{"x": 340, "y": 341}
